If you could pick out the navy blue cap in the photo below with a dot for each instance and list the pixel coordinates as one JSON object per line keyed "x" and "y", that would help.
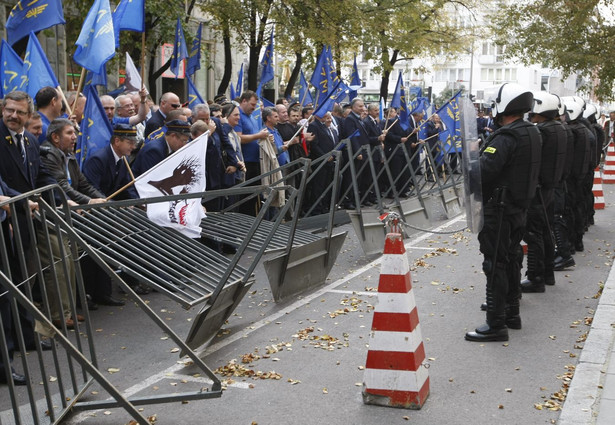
{"x": 125, "y": 131}
{"x": 178, "y": 126}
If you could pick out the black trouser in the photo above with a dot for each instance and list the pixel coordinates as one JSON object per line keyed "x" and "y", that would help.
{"x": 504, "y": 272}
{"x": 397, "y": 162}
{"x": 97, "y": 283}
{"x": 579, "y": 210}
{"x": 318, "y": 185}
{"x": 540, "y": 247}
{"x": 588, "y": 197}
{"x": 561, "y": 220}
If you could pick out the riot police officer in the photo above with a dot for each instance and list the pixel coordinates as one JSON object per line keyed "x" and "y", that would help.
{"x": 540, "y": 244}
{"x": 510, "y": 165}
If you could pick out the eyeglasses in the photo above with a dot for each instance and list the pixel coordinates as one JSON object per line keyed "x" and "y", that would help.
{"x": 12, "y": 111}
{"x": 176, "y": 105}
{"x": 234, "y": 103}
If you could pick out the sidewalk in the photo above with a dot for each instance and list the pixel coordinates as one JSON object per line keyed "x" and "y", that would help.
{"x": 591, "y": 397}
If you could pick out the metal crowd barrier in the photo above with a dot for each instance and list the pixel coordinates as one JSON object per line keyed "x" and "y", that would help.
{"x": 294, "y": 260}
{"x": 45, "y": 248}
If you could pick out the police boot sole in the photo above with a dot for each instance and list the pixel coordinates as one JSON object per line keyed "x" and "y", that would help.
{"x": 532, "y": 287}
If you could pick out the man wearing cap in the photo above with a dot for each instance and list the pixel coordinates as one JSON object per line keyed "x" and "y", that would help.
{"x": 168, "y": 102}
{"x": 106, "y": 169}
{"x": 176, "y": 137}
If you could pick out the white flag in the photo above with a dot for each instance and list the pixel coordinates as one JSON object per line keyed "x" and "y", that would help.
{"x": 133, "y": 78}
{"x": 182, "y": 172}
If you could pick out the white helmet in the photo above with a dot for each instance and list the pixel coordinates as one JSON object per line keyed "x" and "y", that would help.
{"x": 546, "y": 104}
{"x": 590, "y": 110}
{"x": 561, "y": 106}
{"x": 574, "y": 109}
{"x": 576, "y": 99}
{"x": 512, "y": 99}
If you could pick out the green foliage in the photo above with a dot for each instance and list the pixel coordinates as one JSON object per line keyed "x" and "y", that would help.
{"x": 570, "y": 36}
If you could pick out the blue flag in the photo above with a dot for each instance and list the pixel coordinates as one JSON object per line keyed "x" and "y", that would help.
{"x": 236, "y": 92}
{"x": 96, "y": 130}
{"x": 128, "y": 15}
{"x": 267, "y": 63}
{"x": 355, "y": 81}
{"x": 450, "y": 117}
{"x": 96, "y": 43}
{"x": 305, "y": 97}
{"x": 37, "y": 72}
{"x": 194, "y": 58}
{"x": 97, "y": 78}
{"x": 11, "y": 69}
{"x": 257, "y": 115}
{"x": 416, "y": 92}
{"x": 267, "y": 103}
{"x": 194, "y": 98}
{"x": 320, "y": 77}
{"x": 28, "y": 15}
{"x": 399, "y": 102}
{"x": 179, "y": 49}
{"x": 327, "y": 104}
{"x": 382, "y": 106}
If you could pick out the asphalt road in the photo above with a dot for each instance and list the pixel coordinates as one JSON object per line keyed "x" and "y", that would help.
{"x": 318, "y": 350}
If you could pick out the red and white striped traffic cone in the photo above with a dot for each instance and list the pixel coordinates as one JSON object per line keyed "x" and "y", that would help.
{"x": 394, "y": 372}
{"x": 609, "y": 165}
{"x": 597, "y": 190}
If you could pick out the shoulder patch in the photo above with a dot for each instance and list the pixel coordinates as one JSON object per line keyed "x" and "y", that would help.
{"x": 490, "y": 149}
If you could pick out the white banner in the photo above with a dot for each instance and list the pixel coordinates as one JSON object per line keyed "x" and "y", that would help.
{"x": 133, "y": 78}
{"x": 182, "y": 172}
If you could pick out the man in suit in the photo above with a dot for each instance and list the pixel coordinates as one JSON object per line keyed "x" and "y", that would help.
{"x": 22, "y": 170}
{"x": 106, "y": 170}
{"x": 168, "y": 102}
{"x": 413, "y": 144}
{"x": 376, "y": 140}
{"x": 57, "y": 156}
{"x": 176, "y": 137}
{"x": 395, "y": 136}
{"x": 354, "y": 126}
{"x": 324, "y": 141}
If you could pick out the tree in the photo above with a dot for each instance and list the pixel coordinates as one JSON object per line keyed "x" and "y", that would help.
{"x": 572, "y": 36}
{"x": 398, "y": 30}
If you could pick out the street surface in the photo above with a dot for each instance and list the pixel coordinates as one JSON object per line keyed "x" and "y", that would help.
{"x": 311, "y": 350}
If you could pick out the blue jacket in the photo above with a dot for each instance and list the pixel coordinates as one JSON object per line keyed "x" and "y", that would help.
{"x": 105, "y": 175}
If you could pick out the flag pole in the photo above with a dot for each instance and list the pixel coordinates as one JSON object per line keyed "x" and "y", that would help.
{"x": 142, "y": 61}
{"x": 79, "y": 87}
{"x": 392, "y": 124}
{"x": 127, "y": 185}
{"x": 68, "y": 108}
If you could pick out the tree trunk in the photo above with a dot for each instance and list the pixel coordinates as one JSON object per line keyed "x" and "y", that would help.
{"x": 228, "y": 63}
{"x": 294, "y": 75}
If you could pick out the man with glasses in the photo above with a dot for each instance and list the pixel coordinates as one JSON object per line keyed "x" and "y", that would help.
{"x": 106, "y": 169}
{"x": 168, "y": 102}
{"x": 176, "y": 137}
{"x": 125, "y": 109}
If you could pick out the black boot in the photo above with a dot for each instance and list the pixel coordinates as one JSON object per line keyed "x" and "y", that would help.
{"x": 497, "y": 289}
{"x": 513, "y": 319}
{"x": 561, "y": 263}
{"x": 494, "y": 330}
{"x": 533, "y": 285}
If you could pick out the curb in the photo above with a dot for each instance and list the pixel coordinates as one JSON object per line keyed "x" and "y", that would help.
{"x": 585, "y": 395}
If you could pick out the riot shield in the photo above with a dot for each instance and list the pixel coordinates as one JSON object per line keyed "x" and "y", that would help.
{"x": 473, "y": 197}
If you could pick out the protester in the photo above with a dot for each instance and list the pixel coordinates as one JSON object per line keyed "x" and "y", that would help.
{"x": 49, "y": 106}
{"x": 168, "y": 102}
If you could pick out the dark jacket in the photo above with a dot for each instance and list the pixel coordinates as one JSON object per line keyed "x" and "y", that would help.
{"x": 155, "y": 122}
{"x": 107, "y": 176}
{"x": 79, "y": 189}
{"x": 322, "y": 143}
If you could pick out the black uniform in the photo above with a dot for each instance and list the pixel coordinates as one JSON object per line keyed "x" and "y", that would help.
{"x": 540, "y": 244}
{"x": 563, "y": 218}
{"x": 394, "y": 154}
{"x": 510, "y": 166}
{"x": 577, "y": 181}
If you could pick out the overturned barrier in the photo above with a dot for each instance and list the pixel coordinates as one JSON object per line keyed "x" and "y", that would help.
{"x": 44, "y": 247}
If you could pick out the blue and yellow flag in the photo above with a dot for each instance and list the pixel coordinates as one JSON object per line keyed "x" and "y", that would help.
{"x": 37, "y": 72}
{"x": 355, "y": 81}
{"x": 450, "y": 116}
{"x": 97, "y": 78}
{"x": 236, "y": 91}
{"x": 194, "y": 58}
{"x": 179, "y": 49}
{"x": 327, "y": 104}
{"x": 129, "y": 15}
{"x": 96, "y": 130}
{"x": 267, "y": 64}
{"x": 305, "y": 97}
{"x": 320, "y": 77}
{"x": 194, "y": 98}
{"x": 32, "y": 15}
{"x": 96, "y": 42}
{"x": 399, "y": 102}
{"x": 11, "y": 69}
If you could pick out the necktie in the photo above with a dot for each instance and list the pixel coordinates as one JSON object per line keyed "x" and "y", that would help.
{"x": 22, "y": 148}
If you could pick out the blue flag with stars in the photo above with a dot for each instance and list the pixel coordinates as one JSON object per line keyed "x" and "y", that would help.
{"x": 450, "y": 116}
{"x": 96, "y": 130}
{"x": 305, "y": 97}
{"x": 96, "y": 43}
{"x": 32, "y": 15}
{"x": 267, "y": 64}
{"x": 194, "y": 58}
{"x": 355, "y": 81}
{"x": 327, "y": 104}
{"x": 11, "y": 69}
{"x": 399, "y": 102}
{"x": 194, "y": 98}
{"x": 36, "y": 69}
{"x": 179, "y": 49}
{"x": 97, "y": 78}
{"x": 320, "y": 77}
{"x": 128, "y": 15}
